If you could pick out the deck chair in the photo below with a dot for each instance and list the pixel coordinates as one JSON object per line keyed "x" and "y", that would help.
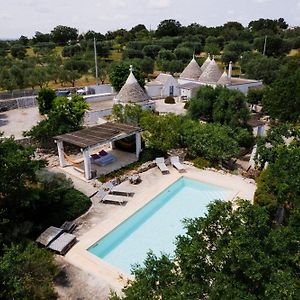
{"x": 121, "y": 191}
{"x": 101, "y": 194}
{"x": 177, "y": 164}
{"x": 114, "y": 199}
{"x": 160, "y": 162}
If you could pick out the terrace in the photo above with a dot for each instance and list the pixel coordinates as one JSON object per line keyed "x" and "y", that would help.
{"x": 91, "y": 140}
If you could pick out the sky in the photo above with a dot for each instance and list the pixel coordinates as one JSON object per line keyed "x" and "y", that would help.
{"x": 25, "y": 17}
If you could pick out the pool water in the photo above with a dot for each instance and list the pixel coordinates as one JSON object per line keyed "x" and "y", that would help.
{"x": 156, "y": 225}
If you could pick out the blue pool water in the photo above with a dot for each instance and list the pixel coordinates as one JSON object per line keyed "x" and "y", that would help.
{"x": 156, "y": 225}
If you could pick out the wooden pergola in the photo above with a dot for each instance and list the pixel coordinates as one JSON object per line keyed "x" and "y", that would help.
{"x": 95, "y": 136}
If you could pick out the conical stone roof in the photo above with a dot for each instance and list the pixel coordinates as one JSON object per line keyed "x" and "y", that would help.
{"x": 192, "y": 71}
{"x": 131, "y": 91}
{"x": 224, "y": 79}
{"x": 206, "y": 63}
{"x": 211, "y": 74}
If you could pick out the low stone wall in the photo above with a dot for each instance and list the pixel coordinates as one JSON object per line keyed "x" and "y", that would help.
{"x": 23, "y": 102}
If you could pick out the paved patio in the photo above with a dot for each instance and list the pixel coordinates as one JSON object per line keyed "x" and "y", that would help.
{"x": 122, "y": 159}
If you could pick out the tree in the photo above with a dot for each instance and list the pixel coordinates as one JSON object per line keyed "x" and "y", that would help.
{"x": 211, "y": 141}
{"x": 3, "y": 48}
{"x": 132, "y": 53}
{"x": 233, "y": 50}
{"x": 168, "y": 27}
{"x": 65, "y": 116}
{"x": 43, "y": 48}
{"x": 183, "y": 54}
{"x": 275, "y": 45}
{"x": 267, "y": 26}
{"x": 24, "y": 40}
{"x": 173, "y": 66}
{"x": 7, "y": 80}
{"x": 281, "y": 100}
{"x": 279, "y": 183}
{"x": 137, "y": 28}
{"x": 219, "y": 105}
{"x": 201, "y": 106}
{"x": 69, "y": 51}
{"x": 119, "y": 73}
{"x": 40, "y": 37}
{"x": 166, "y": 55}
{"x": 151, "y": 50}
{"x": 230, "y": 253}
{"x": 45, "y": 100}
{"x": 230, "y": 108}
{"x": 18, "y": 195}
{"x": 255, "y": 96}
{"x": 129, "y": 114}
{"x": 27, "y": 272}
{"x": 61, "y": 35}
{"x": 161, "y": 132}
{"x": 18, "y": 51}
{"x": 90, "y": 35}
{"x": 260, "y": 67}
{"x": 146, "y": 65}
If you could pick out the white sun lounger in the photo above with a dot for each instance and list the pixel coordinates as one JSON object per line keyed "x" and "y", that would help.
{"x": 114, "y": 199}
{"x": 177, "y": 164}
{"x": 160, "y": 162}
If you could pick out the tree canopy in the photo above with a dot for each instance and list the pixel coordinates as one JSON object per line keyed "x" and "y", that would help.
{"x": 26, "y": 272}
{"x": 119, "y": 73}
{"x": 281, "y": 101}
{"x": 230, "y": 253}
{"x": 220, "y": 105}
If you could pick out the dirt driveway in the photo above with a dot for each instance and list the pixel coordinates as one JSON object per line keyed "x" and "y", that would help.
{"x": 14, "y": 122}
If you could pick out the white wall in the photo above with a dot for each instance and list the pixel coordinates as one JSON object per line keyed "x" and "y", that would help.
{"x": 153, "y": 91}
{"x": 166, "y": 88}
{"x": 244, "y": 87}
{"x": 186, "y": 93}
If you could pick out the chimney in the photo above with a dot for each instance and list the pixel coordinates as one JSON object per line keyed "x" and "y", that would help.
{"x": 230, "y": 70}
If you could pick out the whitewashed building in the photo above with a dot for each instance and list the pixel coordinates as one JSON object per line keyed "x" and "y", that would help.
{"x": 210, "y": 74}
{"x": 163, "y": 86}
{"x": 131, "y": 92}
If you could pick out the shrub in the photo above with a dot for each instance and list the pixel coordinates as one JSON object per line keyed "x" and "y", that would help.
{"x": 201, "y": 163}
{"x": 186, "y": 105}
{"x": 170, "y": 100}
{"x": 75, "y": 203}
{"x": 45, "y": 100}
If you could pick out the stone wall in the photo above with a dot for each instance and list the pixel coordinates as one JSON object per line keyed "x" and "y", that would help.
{"x": 23, "y": 102}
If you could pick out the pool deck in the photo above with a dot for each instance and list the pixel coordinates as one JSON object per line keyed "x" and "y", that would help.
{"x": 153, "y": 183}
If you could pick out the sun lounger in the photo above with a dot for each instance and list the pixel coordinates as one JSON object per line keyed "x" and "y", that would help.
{"x": 160, "y": 162}
{"x": 121, "y": 191}
{"x": 177, "y": 164}
{"x": 114, "y": 199}
{"x": 101, "y": 194}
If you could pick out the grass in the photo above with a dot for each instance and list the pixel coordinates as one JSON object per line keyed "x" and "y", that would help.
{"x": 115, "y": 55}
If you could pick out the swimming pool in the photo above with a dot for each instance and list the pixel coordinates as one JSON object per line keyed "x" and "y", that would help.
{"x": 156, "y": 225}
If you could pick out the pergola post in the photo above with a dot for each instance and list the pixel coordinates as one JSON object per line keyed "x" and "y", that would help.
{"x": 87, "y": 163}
{"x": 112, "y": 145}
{"x": 60, "y": 149}
{"x": 138, "y": 144}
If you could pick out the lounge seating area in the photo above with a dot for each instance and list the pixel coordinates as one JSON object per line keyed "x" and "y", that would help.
{"x": 160, "y": 162}
{"x": 177, "y": 164}
{"x": 110, "y": 194}
{"x": 102, "y": 158}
